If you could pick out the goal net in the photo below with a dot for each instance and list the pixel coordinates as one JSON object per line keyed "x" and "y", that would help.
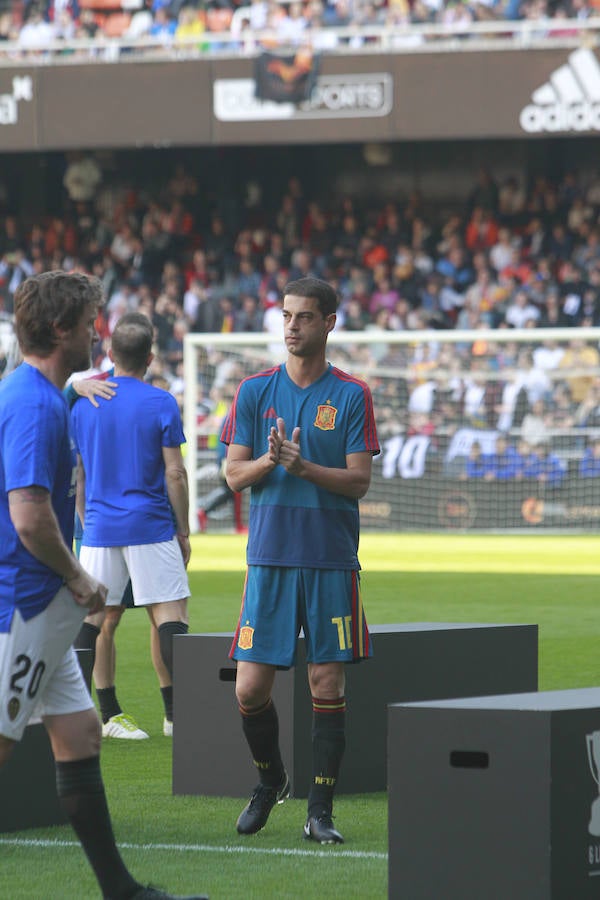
{"x": 479, "y": 430}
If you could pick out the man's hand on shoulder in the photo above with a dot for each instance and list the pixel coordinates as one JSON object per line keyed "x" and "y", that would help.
{"x": 91, "y": 388}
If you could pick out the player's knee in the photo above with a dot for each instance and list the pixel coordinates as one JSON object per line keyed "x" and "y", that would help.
{"x": 111, "y": 623}
{"x": 75, "y": 736}
{"x": 326, "y": 683}
{"x": 251, "y": 696}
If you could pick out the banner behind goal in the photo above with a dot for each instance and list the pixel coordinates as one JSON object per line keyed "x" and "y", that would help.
{"x": 481, "y": 429}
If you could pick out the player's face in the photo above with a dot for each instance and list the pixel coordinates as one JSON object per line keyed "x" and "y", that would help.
{"x": 305, "y": 329}
{"x": 80, "y": 340}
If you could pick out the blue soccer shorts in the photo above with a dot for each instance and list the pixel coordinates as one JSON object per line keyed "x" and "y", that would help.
{"x": 277, "y": 602}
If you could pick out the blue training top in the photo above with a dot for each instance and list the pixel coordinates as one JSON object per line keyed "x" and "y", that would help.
{"x": 71, "y": 396}
{"x": 292, "y": 521}
{"x": 120, "y": 444}
{"x": 36, "y": 448}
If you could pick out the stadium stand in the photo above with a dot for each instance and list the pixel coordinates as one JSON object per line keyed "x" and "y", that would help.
{"x": 44, "y": 25}
{"x": 514, "y": 249}
{"x": 515, "y": 253}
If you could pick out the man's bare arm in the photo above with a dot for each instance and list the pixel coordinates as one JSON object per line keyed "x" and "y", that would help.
{"x": 80, "y": 495}
{"x": 242, "y": 471}
{"x": 177, "y": 491}
{"x": 35, "y": 522}
{"x": 352, "y": 481}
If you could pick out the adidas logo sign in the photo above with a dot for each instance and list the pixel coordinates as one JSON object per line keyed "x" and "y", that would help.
{"x": 569, "y": 101}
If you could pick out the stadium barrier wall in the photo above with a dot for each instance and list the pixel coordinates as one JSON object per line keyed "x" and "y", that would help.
{"x": 358, "y": 97}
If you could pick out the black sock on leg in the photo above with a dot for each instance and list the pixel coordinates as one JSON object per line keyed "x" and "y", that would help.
{"x": 81, "y": 794}
{"x": 167, "y": 697}
{"x": 109, "y": 705}
{"x": 166, "y": 632}
{"x": 86, "y": 639}
{"x": 261, "y": 730}
{"x": 328, "y": 743}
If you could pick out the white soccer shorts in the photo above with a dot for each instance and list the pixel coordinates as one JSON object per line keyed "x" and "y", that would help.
{"x": 157, "y": 571}
{"x": 39, "y": 671}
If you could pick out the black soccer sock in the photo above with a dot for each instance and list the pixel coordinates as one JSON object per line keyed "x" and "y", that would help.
{"x": 167, "y": 697}
{"x": 166, "y": 632}
{"x": 86, "y": 639}
{"x": 81, "y": 793}
{"x": 261, "y": 730}
{"x": 109, "y": 705}
{"x": 328, "y": 744}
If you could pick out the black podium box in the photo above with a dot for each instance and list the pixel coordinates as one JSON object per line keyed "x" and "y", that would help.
{"x": 416, "y": 661}
{"x": 496, "y": 798}
{"x": 28, "y": 780}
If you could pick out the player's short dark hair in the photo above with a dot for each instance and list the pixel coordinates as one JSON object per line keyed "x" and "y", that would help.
{"x": 321, "y": 291}
{"x": 49, "y": 301}
{"x": 132, "y": 341}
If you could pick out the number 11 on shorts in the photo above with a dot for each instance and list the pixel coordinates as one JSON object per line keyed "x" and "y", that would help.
{"x": 344, "y": 630}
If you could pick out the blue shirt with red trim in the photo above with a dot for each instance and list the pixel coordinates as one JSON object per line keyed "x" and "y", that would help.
{"x": 293, "y": 522}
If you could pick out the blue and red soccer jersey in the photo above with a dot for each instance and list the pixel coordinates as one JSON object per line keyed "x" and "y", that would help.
{"x": 292, "y": 521}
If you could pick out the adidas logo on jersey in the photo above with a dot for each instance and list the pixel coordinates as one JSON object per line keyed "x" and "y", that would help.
{"x": 569, "y": 100}
{"x": 270, "y": 413}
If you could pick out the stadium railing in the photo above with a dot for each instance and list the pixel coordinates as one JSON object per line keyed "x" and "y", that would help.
{"x": 391, "y": 38}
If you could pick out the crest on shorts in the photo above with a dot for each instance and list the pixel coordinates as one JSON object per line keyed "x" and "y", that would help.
{"x": 326, "y": 417}
{"x": 246, "y": 637}
{"x": 13, "y": 708}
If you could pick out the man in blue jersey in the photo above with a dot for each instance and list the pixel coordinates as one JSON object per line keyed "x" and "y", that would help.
{"x": 135, "y": 515}
{"x": 302, "y": 436}
{"x": 44, "y": 590}
{"x": 101, "y": 641}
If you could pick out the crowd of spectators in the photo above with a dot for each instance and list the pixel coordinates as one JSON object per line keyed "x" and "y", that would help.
{"x": 514, "y": 254}
{"x": 34, "y": 24}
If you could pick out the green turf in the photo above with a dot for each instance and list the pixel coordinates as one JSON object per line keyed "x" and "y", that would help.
{"x": 552, "y": 581}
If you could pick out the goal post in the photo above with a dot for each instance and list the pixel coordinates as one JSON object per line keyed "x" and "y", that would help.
{"x": 479, "y": 430}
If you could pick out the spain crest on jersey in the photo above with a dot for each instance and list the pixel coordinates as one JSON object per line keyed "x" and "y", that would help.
{"x": 326, "y": 417}
{"x": 246, "y": 637}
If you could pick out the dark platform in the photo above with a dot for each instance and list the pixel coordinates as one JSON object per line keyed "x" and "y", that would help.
{"x": 492, "y": 798}
{"x": 416, "y": 661}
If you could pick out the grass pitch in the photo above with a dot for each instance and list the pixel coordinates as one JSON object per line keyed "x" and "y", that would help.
{"x": 188, "y": 844}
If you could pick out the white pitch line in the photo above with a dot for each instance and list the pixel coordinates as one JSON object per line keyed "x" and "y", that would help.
{"x": 205, "y": 848}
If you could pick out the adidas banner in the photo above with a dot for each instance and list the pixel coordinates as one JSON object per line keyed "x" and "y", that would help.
{"x": 286, "y": 79}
